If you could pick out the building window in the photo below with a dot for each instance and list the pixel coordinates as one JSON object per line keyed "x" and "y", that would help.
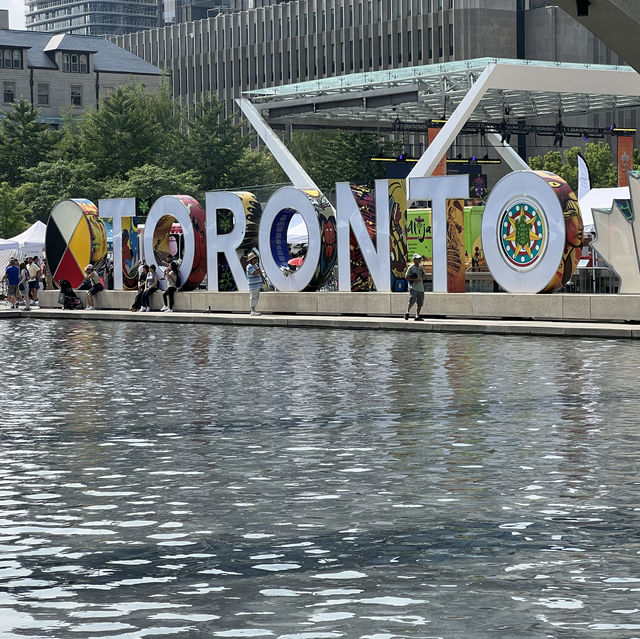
{"x": 399, "y": 47}
{"x": 75, "y": 65}
{"x": 11, "y": 58}
{"x": 409, "y": 53}
{"x": 76, "y": 96}
{"x": 430, "y": 43}
{"x": 43, "y": 94}
{"x": 8, "y": 92}
{"x": 450, "y": 39}
{"x": 440, "y": 42}
{"x": 66, "y": 63}
{"x": 84, "y": 64}
{"x": 419, "y": 44}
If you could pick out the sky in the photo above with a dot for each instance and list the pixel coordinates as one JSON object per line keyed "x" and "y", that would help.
{"x": 16, "y": 12}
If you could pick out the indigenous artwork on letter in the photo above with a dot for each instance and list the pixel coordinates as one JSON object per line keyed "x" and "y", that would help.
{"x": 252, "y": 214}
{"x": 360, "y": 276}
{"x": 75, "y": 237}
{"x": 398, "y": 234}
{"x": 574, "y": 229}
{"x": 455, "y": 247}
{"x": 130, "y": 253}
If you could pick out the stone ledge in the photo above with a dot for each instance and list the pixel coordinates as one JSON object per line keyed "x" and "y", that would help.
{"x": 521, "y": 306}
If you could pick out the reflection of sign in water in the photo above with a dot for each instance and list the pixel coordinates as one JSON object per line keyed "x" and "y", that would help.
{"x": 522, "y": 233}
{"x": 419, "y": 238}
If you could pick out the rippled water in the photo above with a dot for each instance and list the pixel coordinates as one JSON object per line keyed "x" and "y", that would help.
{"x": 199, "y": 481}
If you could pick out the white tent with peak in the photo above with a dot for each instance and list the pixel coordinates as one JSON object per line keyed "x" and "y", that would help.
{"x": 31, "y": 241}
{"x": 27, "y": 243}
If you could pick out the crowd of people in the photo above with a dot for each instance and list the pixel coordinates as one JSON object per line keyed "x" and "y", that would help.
{"x": 24, "y": 280}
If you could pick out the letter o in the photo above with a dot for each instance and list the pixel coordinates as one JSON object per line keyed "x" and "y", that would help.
{"x": 272, "y": 239}
{"x": 523, "y": 232}
{"x": 191, "y": 217}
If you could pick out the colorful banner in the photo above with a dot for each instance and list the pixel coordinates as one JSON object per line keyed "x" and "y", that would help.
{"x": 625, "y": 158}
{"x": 441, "y": 168}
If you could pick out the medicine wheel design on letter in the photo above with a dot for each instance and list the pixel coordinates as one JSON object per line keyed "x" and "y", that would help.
{"x": 522, "y": 233}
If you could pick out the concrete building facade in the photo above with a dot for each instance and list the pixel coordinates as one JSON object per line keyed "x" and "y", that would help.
{"x": 257, "y": 44}
{"x": 91, "y": 17}
{"x": 64, "y": 73}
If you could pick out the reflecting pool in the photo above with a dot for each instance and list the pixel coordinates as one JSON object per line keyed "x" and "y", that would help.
{"x": 203, "y": 481}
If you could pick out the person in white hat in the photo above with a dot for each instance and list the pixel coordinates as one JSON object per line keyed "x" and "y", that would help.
{"x": 254, "y": 280}
{"x": 416, "y": 276}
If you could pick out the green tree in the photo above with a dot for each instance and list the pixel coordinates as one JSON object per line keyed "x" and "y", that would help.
{"x": 122, "y": 134}
{"x": 602, "y": 170}
{"x": 49, "y": 182}
{"x": 338, "y": 156}
{"x": 24, "y": 142}
{"x": 255, "y": 167}
{"x": 149, "y": 182}
{"x": 12, "y": 213}
{"x": 212, "y": 145}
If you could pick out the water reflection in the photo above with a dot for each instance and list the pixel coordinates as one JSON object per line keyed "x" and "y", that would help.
{"x": 252, "y": 482}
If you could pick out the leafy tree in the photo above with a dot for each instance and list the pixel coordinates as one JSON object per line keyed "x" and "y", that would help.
{"x": 338, "y": 156}
{"x": 24, "y": 142}
{"x": 602, "y": 170}
{"x": 50, "y": 182}
{"x": 149, "y": 182}
{"x": 122, "y": 134}
{"x": 212, "y": 145}
{"x": 255, "y": 167}
{"x": 12, "y": 213}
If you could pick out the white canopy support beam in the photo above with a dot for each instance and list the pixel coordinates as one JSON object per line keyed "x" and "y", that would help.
{"x": 507, "y": 153}
{"x": 441, "y": 143}
{"x": 298, "y": 176}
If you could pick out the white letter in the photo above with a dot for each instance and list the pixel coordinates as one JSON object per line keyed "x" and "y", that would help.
{"x": 279, "y": 210}
{"x": 439, "y": 189}
{"x": 173, "y": 206}
{"x": 523, "y": 232}
{"x": 116, "y": 209}
{"x": 227, "y": 243}
{"x": 348, "y": 216}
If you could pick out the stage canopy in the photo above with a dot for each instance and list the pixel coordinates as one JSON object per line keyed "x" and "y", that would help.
{"x": 456, "y": 93}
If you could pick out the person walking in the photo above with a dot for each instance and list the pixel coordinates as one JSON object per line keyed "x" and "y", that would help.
{"x": 416, "y": 275}
{"x": 254, "y": 281}
{"x": 34, "y": 279}
{"x": 23, "y": 285}
{"x": 12, "y": 277}
{"x": 150, "y": 287}
{"x": 173, "y": 281}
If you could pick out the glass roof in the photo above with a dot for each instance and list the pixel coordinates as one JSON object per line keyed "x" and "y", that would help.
{"x": 413, "y": 95}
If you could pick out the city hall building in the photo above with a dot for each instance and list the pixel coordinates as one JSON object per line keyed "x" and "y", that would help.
{"x": 243, "y": 48}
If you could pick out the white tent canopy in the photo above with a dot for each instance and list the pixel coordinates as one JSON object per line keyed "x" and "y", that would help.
{"x": 8, "y": 245}
{"x": 297, "y": 232}
{"x": 31, "y": 241}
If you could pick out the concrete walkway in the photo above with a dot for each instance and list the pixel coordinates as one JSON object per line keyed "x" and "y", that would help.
{"x": 445, "y": 325}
